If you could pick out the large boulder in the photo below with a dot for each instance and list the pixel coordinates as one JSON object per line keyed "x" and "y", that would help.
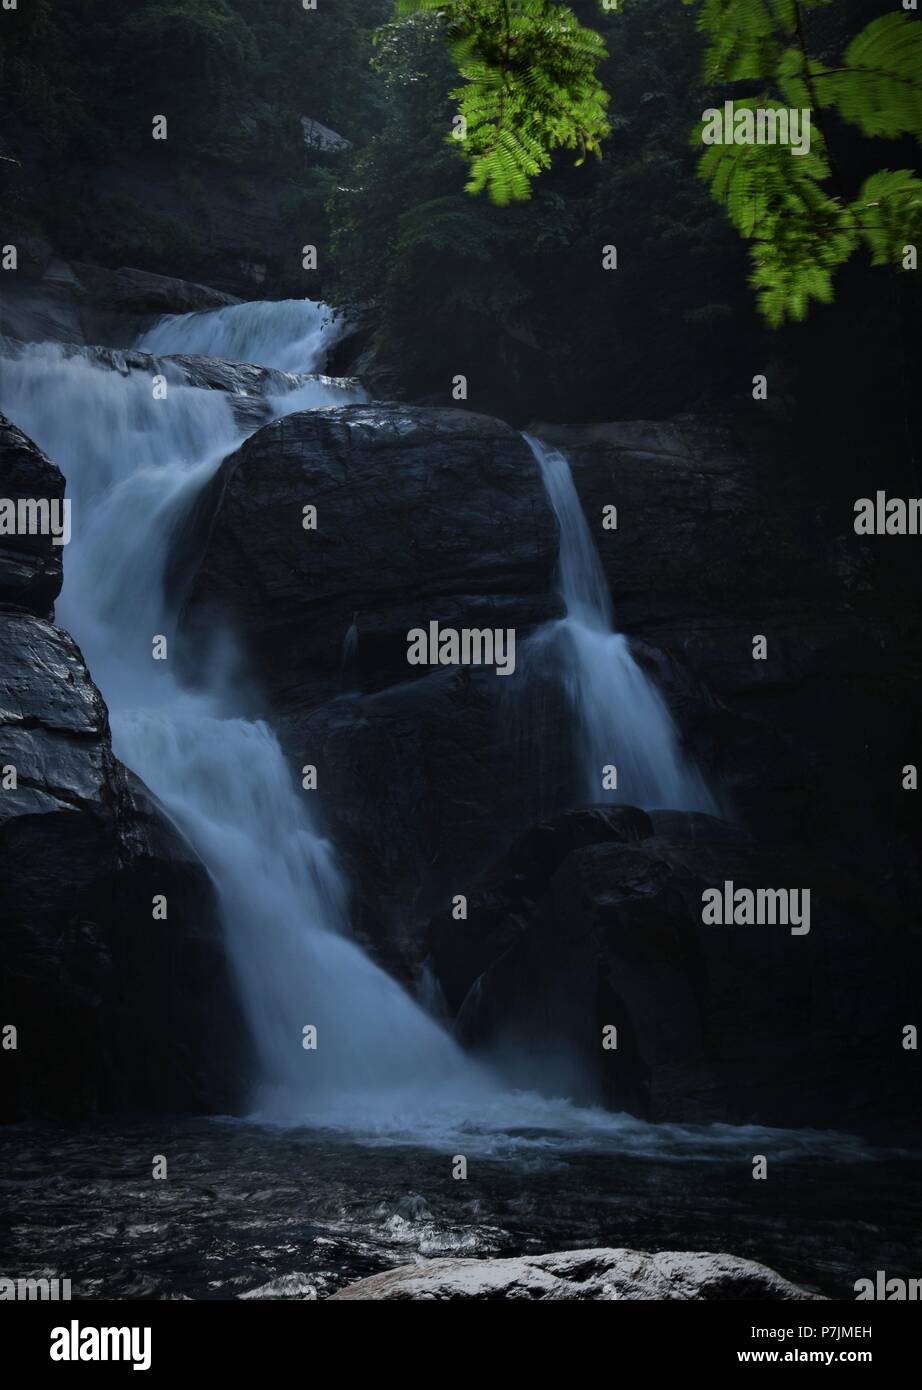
{"x": 30, "y": 564}
{"x": 587, "y": 1275}
{"x": 594, "y": 921}
{"x": 422, "y": 515}
{"x": 112, "y": 1008}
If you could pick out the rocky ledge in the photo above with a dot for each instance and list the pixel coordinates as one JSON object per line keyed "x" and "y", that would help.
{"x": 68, "y": 302}
{"x": 586, "y": 1275}
{"x": 30, "y": 566}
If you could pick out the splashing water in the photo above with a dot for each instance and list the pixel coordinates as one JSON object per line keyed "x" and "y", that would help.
{"x": 622, "y": 719}
{"x": 290, "y": 334}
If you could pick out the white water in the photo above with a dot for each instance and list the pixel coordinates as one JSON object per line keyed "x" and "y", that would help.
{"x": 291, "y": 334}
{"x": 622, "y": 719}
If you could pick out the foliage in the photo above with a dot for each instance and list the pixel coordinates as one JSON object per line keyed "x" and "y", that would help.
{"x": 795, "y": 210}
{"x": 531, "y": 86}
{"x": 517, "y": 293}
{"x": 529, "y": 69}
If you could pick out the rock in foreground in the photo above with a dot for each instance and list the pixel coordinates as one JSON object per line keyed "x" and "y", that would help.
{"x": 589, "y": 1275}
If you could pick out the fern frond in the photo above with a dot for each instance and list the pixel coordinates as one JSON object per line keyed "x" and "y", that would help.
{"x": 879, "y": 86}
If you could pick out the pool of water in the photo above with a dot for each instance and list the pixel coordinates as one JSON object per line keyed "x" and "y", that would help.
{"x": 251, "y": 1210}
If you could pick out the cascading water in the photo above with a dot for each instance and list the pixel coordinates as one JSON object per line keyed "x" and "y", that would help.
{"x": 133, "y": 466}
{"x": 622, "y": 719}
{"x": 290, "y": 334}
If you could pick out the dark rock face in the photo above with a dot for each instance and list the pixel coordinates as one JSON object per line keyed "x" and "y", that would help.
{"x": 44, "y": 309}
{"x": 723, "y": 535}
{"x": 138, "y": 291}
{"x": 592, "y": 920}
{"x": 586, "y": 1275}
{"x": 418, "y": 784}
{"x": 113, "y": 1008}
{"x": 30, "y": 565}
{"x": 246, "y": 246}
{"x": 423, "y": 776}
{"x": 422, "y": 515}
{"x": 75, "y": 303}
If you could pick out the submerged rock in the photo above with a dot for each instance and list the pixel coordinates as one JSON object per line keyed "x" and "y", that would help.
{"x": 588, "y": 1275}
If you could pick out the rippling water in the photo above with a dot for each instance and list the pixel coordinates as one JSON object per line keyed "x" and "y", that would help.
{"x": 254, "y": 1211}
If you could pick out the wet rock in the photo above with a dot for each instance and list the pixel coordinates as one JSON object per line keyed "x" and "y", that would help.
{"x": 589, "y": 1275}
{"x": 417, "y": 785}
{"x": 30, "y": 565}
{"x": 422, "y": 515}
{"x": 744, "y": 1023}
{"x": 113, "y": 1009}
{"x": 128, "y": 290}
{"x": 45, "y": 309}
{"x": 75, "y": 303}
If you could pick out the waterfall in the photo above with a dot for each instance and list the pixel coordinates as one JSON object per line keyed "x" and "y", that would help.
{"x": 134, "y": 465}
{"x": 291, "y": 334}
{"x": 622, "y": 720}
